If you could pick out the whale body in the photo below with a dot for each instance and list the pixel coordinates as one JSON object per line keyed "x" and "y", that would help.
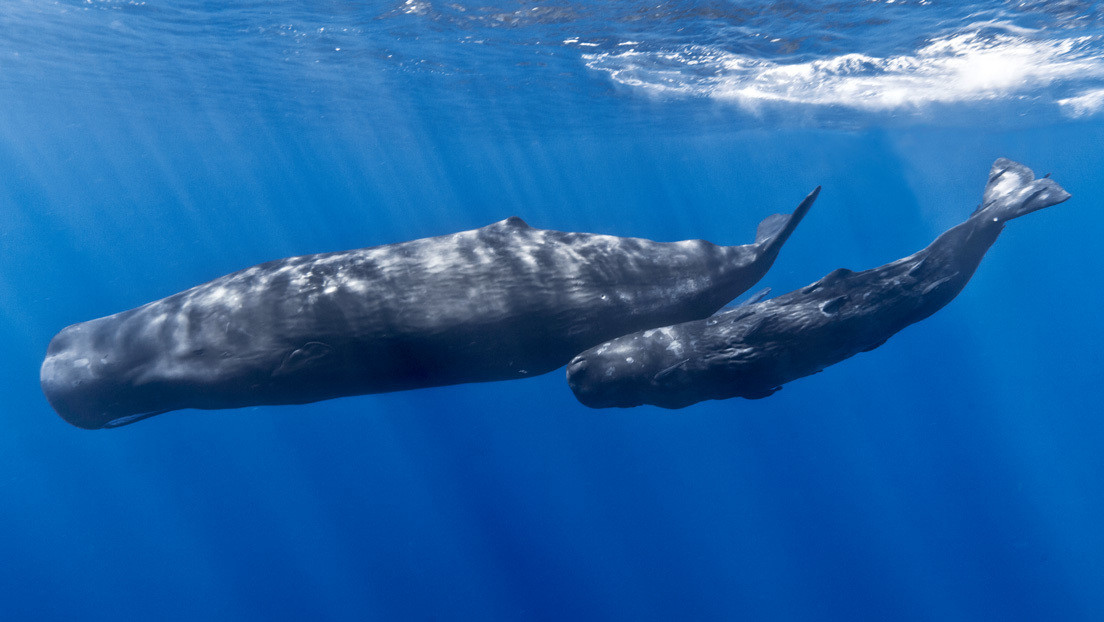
{"x": 752, "y": 350}
{"x": 500, "y": 302}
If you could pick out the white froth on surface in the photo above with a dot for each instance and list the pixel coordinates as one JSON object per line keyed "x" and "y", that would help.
{"x": 963, "y": 67}
{"x": 1086, "y": 104}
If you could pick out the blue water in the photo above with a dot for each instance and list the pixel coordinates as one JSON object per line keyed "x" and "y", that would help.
{"x": 953, "y": 474}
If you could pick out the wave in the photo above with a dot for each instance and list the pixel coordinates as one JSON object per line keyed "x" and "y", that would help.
{"x": 965, "y": 67}
{"x": 1086, "y": 104}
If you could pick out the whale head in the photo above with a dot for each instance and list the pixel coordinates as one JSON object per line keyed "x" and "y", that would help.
{"x": 123, "y": 368}
{"x": 91, "y": 384}
{"x": 612, "y": 375}
{"x": 589, "y": 390}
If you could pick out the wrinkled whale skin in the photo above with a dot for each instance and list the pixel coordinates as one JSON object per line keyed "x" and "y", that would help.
{"x": 752, "y": 350}
{"x": 500, "y": 302}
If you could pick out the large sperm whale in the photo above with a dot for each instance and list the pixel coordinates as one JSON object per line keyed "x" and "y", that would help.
{"x": 751, "y": 350}
{"x": 504, "y": 301}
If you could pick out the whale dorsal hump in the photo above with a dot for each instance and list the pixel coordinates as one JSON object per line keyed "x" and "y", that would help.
{"x": 836, "y": 275}
{"x": 513, "y": 222}
{"x": 828, "y": 279}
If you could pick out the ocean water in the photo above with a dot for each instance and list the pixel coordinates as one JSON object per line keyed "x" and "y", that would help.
{"x": 955, "y": 473}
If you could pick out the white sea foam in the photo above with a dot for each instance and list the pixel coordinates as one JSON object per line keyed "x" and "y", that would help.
{"x": 965, "y": 67}
{"x": 1086, "y": 104}
{"x": 415, "y": 7}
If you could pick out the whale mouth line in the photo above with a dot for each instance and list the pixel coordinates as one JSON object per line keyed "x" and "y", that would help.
{"x": 121, "y": 421}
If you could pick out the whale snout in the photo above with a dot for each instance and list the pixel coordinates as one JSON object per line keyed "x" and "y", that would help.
{"x": 70, "y": 380}
{"x": 84, "y": 380}
{"x": 593, "y": 381}
{"x": 577, "y": 367}
{"x": 581, "y": 383}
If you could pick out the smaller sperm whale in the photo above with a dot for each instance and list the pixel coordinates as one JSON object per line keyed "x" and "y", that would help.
{"x": 500, "y": 302}
{"x": 751, "y": 350}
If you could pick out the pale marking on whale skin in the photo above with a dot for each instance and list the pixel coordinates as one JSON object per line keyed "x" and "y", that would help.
{"x": 504, "y": 301}
{"x": 752, "y": 350}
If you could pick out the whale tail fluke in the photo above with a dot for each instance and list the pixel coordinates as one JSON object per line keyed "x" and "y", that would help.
{"x": 1013, "y": 191}
{"x": 774, "y": 230}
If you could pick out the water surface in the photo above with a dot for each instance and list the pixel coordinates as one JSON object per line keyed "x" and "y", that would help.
{"x": 954, "y": 473}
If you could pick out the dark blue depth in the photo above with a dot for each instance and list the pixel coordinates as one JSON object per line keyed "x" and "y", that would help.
{"x": 952, "y": 474}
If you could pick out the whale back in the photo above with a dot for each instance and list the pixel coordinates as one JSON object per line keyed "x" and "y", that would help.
{"x": 503, "y": 301}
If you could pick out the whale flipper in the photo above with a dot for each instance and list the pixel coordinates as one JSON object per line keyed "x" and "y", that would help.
{"x": 503, "y": 301}
{"x": 756, "y": 297}
{"x": 662, "y": 377}
{"x": 301, "y": 358}
{"x": 754, "y": 350}
{"x": 752, "y": 299}
{"x": 765, "y": 393}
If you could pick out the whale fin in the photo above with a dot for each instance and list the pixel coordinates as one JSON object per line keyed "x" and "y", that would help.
{"x": 872, "y": 346}
{"x": 774, "y": 230}
{"x": 756, "y": 297}
{"x": 770, "y": 226}
{"x": 121, "y": 421}
{"x": 833, "y": 306}
{"x": 1013, "y": 191}
{"x": 931, "y": 287}
{"x": 301, "y": 358}
{"x": 760, "y": 394}
{"x": 665, "y": 376}
{"x": 752, "y": 299}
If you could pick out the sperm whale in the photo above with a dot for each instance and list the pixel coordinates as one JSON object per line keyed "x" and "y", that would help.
{"x": 500, "y": 302}
{"x": 752, "y": 350}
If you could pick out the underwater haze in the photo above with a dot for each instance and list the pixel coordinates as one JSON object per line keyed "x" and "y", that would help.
{"x": 954, "y": 473}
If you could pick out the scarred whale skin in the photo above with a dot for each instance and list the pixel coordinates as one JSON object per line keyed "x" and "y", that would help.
{"x": 504, "y": 301}
{"x": 753, "y": 349}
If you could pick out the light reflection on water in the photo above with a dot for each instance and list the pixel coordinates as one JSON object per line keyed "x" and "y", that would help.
{"x": 951, "y": 474}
